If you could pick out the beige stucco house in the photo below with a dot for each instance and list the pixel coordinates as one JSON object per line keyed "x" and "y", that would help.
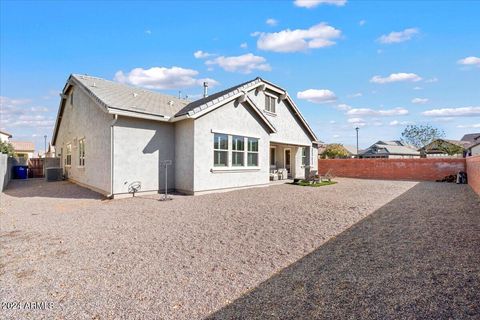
{"x": 23, "y": 149}
{"x": 5, "y": 136}
{"x": 111, "y": 137}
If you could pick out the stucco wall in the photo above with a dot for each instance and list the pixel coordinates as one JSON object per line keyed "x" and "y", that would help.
{"x": 139, "y": 146}
{"x": 184, "y": 155}
{"x": 86, "y": 120}
{"x": 230, "y": 119}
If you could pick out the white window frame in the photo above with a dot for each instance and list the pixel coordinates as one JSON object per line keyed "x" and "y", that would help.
{"x": 241, "y": 152}
{"x": 68, "y": 155}
{"x": 215, "y": 150}
{"x": 268, "y": 106}
{"x": 253, "y": 152}
{"x": 81, "y": 152}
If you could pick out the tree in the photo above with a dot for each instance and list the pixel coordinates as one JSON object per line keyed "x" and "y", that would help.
{"x": 334, "y": 150}
{"x": 7, "y": 148}
{"x": 421, "y": 135}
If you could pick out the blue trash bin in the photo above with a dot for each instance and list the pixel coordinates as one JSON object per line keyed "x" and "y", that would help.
{"x": 20, "y": 172}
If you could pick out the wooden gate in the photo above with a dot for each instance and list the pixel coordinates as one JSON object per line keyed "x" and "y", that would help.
{"x": 35, "y": 168}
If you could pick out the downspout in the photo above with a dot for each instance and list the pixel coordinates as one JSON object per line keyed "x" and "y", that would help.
{"x": 112, "y": 140}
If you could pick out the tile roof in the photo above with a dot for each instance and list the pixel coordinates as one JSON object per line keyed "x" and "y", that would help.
{"x": 116, "y": 95}
{"x": 23, "y": 145}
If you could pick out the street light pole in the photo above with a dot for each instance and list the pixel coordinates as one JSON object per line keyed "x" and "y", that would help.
{"x": 45, "y": 145}
{"x": 357, "y": 128}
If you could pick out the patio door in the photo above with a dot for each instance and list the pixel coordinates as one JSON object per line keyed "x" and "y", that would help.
{"x": 288, "y": 160}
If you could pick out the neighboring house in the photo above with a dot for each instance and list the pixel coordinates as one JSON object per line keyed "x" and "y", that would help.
{"x": 474, "y": 146}
{"x": 5, "y": 136}
{"x": 474, "y": 149}
{"x": 439, "y": 147}
{"x": 23, "y": 149}
{"x": 350, "y": 150}
{"x": 472, "y": 138}
{"x": 111, "y": 137}
{"x": 390, "y": 149}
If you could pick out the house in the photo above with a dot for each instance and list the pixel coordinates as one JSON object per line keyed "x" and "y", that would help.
{"x": 390, "y": 149}
{"x": 474, "y": 146}
{"x": 350, "y": 151}
{"x": 471, "y": 138}
{"x": 5, "y": 136}
{"x": 445, "y": 148}
{"x": 23, "y": 149}
{"x": 474, "y": 149}
{"x": 115, "y": 138}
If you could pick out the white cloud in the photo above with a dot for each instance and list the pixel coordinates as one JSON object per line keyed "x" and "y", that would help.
{"x": 245, "y": 63}
{"x": 417, "y": 88}
{"x": 432, "y": 80}
{"x": 271, "y": 22}
{"x": 148, "y": 31}
{"x": 355, "y": 95}
{"x": 400, "y": 123}
{"x": 199, "y": 54}
{"x": 162, "y": 78}
{"x": 17, "y": 113}
{"x": 400, "y": 36}
{"x": 343, "y": 107}
{"x": 317, "y": 95}
{"x": 477, "y": 125}
{"x": 313, "y": 3}
{"x": 244, "y": 45}
{"x": 6, "y": 101}
{"x": 470, "y": 61}
{"x": 362, "y": 22}
{"x": 336, "y": 136}
{"x": 317, "y": 36}
{"x": 372, "y": 112}
{"x": 332, "y": 121}
{"x": 396, "y": 77}
{"x": 453, "y": 112}
{"x": 357, "y": 121}
{"x": 419, "y": 100}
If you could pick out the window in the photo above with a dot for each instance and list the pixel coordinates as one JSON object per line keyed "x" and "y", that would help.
{"x": 68, "y": 160}
{"x": 304, "y": 156}
{"x": 273, "y": 161}
{"x": 220, "y": 147}
{"x": 81, "y": 152}
{"x": 238, "y": 148}
{"x": 270, "y": 103}
{"x": 252, "y": 154}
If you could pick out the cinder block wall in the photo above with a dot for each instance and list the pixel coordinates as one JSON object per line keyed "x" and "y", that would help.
{"x": 393, "y": 169}
{"x": 473, "y": 172}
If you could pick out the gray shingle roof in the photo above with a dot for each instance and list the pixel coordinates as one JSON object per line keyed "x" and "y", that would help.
{"x": 471, "y": 137}
{"x": 119, "y": 96}
{"x": 198, "y": 105}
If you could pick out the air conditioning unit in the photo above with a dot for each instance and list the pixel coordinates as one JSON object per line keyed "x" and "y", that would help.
{"x": 53, "y": 174}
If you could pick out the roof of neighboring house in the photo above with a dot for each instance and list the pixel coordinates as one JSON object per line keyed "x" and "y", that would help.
{"x": 116, "y": 95}
{"x": 351, "y": 149}
{"x": 471, "y": 137}
{"x": 23, "y": 146}
{"x": 6, "y": 133}
{"x": 390, "y": 149}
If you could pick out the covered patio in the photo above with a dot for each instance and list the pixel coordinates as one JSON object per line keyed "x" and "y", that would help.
{"x": 288, "y": 161}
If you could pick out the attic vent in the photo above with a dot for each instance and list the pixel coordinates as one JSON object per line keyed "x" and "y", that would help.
{"x": 170, "y": 103}
{"x": 135, "y": 94}
{"x": 94, "y": 85}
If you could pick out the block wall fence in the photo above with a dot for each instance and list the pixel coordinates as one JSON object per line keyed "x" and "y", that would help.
{"x": 404, "y": 169}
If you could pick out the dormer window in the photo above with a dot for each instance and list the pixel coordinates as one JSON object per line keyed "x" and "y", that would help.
{"x": 270, "y": 103}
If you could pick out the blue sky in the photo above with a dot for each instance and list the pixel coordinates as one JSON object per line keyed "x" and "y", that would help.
{"x": 376, "y": 65}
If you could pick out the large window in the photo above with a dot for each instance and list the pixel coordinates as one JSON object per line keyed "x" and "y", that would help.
{"x": 304, "y": 156}
{"x": 81, "y": 152}
{"x": 252, "y": 154}
{"x": 270, "y": 103}
{"x": 68, "y": 159}
{"x": 220, "y": 153}
{"x": 238, "y": 148}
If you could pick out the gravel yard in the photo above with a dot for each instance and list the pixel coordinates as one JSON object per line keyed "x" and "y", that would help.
{"x": 279, "y": 252}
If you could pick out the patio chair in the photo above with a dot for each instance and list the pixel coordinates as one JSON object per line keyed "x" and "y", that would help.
{"x": 313, "y": 177}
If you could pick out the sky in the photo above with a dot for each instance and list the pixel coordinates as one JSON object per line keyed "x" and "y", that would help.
{"x": 378, "y": 66}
